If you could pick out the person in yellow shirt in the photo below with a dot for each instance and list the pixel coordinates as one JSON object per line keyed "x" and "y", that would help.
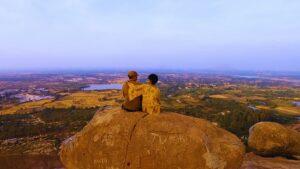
{"x": 151, "y": 96}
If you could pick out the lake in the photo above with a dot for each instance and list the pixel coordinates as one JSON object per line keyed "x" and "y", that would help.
{"x": 103, "y": 87}
{"x": 297, "y": 103}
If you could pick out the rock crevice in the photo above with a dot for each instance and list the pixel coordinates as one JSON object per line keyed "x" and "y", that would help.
{"x": 130, "y": 138}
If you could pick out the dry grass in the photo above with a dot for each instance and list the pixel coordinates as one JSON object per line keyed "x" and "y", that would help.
{"x": 87, "y": 100}
{"x": 293, "y": 111}
{"x": 78, "y": 100}
{"x": 25, "y": 107}
{"x": 263, "y": 107}
{"x": 218, "y": 96}
{"x": 256, "y": 98}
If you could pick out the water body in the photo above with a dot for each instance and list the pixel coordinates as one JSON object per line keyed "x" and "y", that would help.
{"x": 248, "y": 77}
{"x": 297, "y": 103}
{"x": 103, "y": 87}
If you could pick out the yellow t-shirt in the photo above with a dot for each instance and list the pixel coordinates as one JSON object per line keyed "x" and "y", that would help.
{"x": 151, "y": 99}
{"x": 134, "y": 90}
{"x": 131, "y": 90}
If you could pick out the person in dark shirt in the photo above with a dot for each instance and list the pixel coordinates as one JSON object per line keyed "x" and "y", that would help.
{"x": 131, "y": 93}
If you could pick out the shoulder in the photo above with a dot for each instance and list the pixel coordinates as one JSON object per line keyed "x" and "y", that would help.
{"x": 153, "y": 88}
{"x": 125, "y": 83}
{"x": 134, "y": 83}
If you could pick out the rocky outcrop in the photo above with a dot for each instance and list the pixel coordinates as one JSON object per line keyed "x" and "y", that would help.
{"x": 253, "y": 161}
{"x": 115, "y": 139}
{"x": 273, "y": 139}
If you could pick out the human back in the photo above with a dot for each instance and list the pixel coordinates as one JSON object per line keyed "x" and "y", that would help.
{"x": 151, "y": 96}
{"x": 134, "y": 89}
{"x": 132, "y": 93}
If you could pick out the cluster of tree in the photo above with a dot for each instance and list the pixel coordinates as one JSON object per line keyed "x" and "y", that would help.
{"x": 240, "y": 122}
{"x": 289, "y": 93}
{"x": 44, "y": 122}
{"x": 231, "y": 115}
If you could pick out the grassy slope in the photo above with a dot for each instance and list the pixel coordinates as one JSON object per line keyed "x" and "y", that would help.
{"x": 79, "y": 100}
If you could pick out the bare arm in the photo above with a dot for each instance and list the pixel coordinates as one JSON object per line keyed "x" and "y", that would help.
{"x": 125, "y": 91}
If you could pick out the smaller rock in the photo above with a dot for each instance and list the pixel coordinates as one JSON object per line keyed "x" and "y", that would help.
{"x": 273, "y": 139}
{"x": 253, "y": 161}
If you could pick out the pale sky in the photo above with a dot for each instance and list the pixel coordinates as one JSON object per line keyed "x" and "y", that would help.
{"x": 168, "y": 34}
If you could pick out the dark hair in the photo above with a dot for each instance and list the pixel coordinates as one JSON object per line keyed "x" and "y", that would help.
{"x": 130, "y": 77}
{"x": 153, "y": 78}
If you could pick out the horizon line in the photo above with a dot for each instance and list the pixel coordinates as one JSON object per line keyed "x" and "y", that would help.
{"x": 124, "y": 70}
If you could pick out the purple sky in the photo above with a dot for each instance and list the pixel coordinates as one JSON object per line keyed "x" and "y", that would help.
{"x": 169, "y": 34}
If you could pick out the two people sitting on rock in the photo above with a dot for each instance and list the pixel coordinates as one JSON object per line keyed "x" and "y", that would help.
{"x": 139, "y": 96}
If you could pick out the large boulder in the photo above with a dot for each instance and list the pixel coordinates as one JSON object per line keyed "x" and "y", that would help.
{"x": 115, "y": 139}
{"x": 273, "y": 139}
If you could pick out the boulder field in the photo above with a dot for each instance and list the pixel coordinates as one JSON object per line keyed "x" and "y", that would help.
{"x": 115, "y": 139}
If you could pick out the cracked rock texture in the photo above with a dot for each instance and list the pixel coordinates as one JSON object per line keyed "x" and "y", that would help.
{"x": 115, "y": 139}
{"x": 273, "y": 139}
